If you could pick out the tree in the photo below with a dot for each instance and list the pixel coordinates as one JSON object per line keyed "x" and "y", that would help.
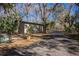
{"x": 9, "y": 23}
{"x": 66, "y": 19}
{"x": 77, "y": 4}
{"x": 7, "y": 6}
{"x": 45, "y": 12}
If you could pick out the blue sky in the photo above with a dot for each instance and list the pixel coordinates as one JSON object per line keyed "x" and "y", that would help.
{"x": 74, "y": 10}
{"x": 20, "y": 7}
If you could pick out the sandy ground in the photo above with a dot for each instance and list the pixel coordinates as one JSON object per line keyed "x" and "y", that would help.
{"x": 55, "y": 47}
{"x": 19, "y": 42}
{"x": 40, "y": 47}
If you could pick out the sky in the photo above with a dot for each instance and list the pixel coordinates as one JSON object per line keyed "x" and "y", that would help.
{"x": 20, "y": 7}
{"x": 75, "y": 9}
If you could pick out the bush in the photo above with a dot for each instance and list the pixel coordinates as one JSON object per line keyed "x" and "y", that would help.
{"x": 77, "y": 27}
{"x": 8, "y": 25}
{"x": 67, "y": 29}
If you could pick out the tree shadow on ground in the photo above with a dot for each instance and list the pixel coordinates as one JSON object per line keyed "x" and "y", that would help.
{"x": 16, "y": 52}
{"x": 74, "y": 49}
{"x": 49, "y": 44}
{"x": 71, "y": 47}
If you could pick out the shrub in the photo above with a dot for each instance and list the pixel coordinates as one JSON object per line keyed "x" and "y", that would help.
{"x": 77, "y": 27}
{"x": 8, "y": 25}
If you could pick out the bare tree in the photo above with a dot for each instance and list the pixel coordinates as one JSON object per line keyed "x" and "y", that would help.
{"x": 45, "y": 13}
{"x": 65, "y": 17}
{"x": 42, "y": 11}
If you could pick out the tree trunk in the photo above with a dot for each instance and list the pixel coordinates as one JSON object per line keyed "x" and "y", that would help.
{"x": 44, "y": 28}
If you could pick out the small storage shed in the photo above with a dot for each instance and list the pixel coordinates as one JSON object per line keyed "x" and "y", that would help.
{"x": 23, "y": 27}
